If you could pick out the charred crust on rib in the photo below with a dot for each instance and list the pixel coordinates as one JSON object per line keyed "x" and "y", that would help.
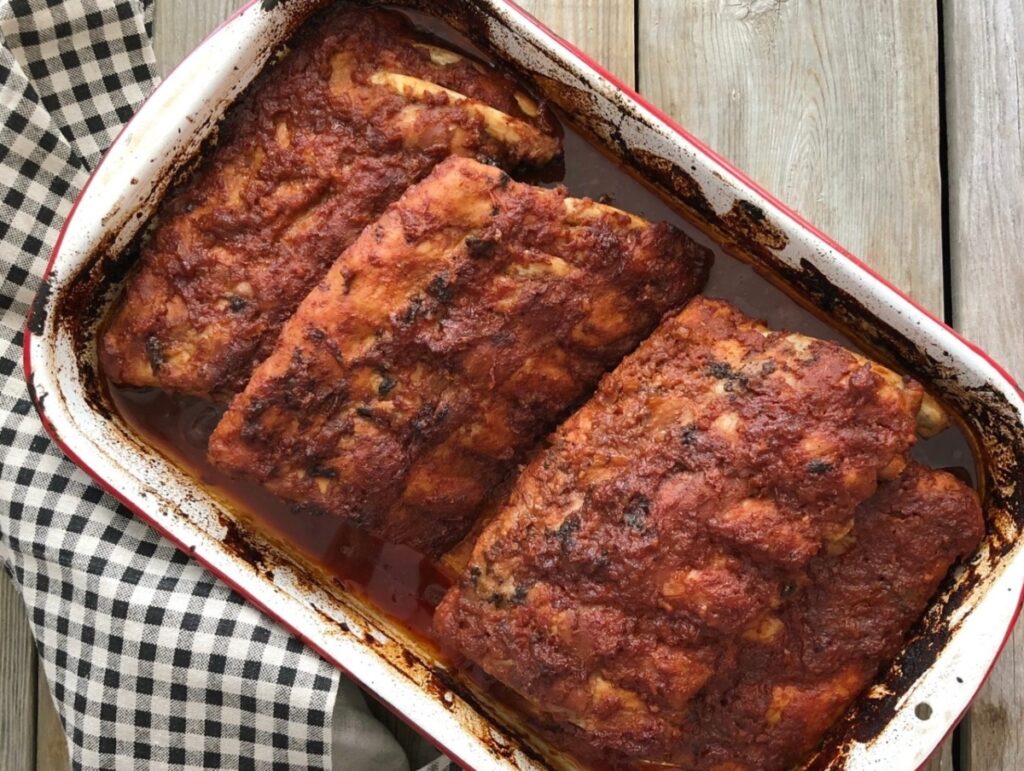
{"x": 441, "y": 289}
{"x": 386, "y": 385}
{"x": 635, "y": 515}
{"x": 566, "y": 532}
{"x": 480, "y": 247}
{"x": 322, "y": 472}
{"x": 154, "y": 352}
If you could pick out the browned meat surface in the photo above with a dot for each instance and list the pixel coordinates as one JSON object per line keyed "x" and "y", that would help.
{"x": 361, "y": 108}
{"x": 674, "y": 521}
{"x": 799, "y": 671}
{"x": 443, "y": 344}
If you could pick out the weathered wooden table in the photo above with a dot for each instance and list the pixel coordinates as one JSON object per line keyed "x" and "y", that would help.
{"x": 894, "y": 125}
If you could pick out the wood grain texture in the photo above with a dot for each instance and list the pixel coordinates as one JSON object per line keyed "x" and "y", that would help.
{"x": 51, "y": 741}
{"x": 179, "y": 26}
{"x": 17, "y": 682}
{"x": 601, "y": 28}
{"x": 831, "y": 105}
{"x": 984, "y": 44}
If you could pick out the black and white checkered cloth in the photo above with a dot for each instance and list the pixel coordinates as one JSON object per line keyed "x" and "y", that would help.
{"x": 152, "y": 661}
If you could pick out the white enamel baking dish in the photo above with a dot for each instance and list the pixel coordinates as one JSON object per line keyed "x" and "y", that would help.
{"x": 943, "y": 665}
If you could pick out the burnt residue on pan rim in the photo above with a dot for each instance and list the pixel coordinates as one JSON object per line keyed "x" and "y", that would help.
{"x": 748, "y": 232}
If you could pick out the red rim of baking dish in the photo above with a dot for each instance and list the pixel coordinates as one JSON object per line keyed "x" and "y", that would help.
{"x": 675, "y": 127}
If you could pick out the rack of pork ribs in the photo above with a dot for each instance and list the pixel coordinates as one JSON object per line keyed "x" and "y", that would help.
{"x": 700, "y": 568}
{"x": 716, "y": 553}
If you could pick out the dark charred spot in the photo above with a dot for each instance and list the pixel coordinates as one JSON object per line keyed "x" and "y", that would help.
{"x": 504, "y": 180}
{"x": 768, "y": 367}
{"x": 566, "y": 533}
{"x": 414, "y": 311}
{"x": 722, "y": 371}
{"x": 688, "y": 436}
{"x": 365, "y": 412}
{"x": 475, "y": 573}
{"x": 154, "y": 351}
{"x": 428, "y": 417}
{"x": 386, "y": 385}
{"x": 788, "y": 589}
{"x": 441, "y": 289}
{"x": 237, "y": 303}
{"x": 323, "y": 472}
{"x": 237, "y": 540}
{"x": 321, "y": 338}
{"x": 480, "y": 248}
{"x": 37, "y": 316}
{"x": 518, "y": 597}
{"x": 422, "y": 419}
{"x": 756, "y": 213}
{"x": 636, "y": 513}
{"x": 820, "y": 467}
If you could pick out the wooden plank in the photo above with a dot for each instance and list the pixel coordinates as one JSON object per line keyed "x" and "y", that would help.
{"x": 17, "y": 683}
{"x": 941, "y": 759}
{"x": 51, "y": 741}
{"x": 984, "y": 48}
{"x": 603, "y": 30}
{"x": 832, "y": 106}
{"x": 178, "y": 27}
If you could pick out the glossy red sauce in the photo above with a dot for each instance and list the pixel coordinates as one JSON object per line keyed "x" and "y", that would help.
{"x": 397, "y": 580}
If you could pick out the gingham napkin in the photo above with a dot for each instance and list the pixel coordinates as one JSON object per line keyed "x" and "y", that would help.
{"x": 152, "y": 662}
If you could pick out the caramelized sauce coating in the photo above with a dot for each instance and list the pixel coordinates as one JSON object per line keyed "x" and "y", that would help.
{"x": 443, "y": 344}
{"x": 795, "y": 678}
{"x": 671, "y": 522}
{"x": 361, "y": 108}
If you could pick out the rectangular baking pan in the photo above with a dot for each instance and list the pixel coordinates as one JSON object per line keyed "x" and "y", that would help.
{"x": 951, "y": 651}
